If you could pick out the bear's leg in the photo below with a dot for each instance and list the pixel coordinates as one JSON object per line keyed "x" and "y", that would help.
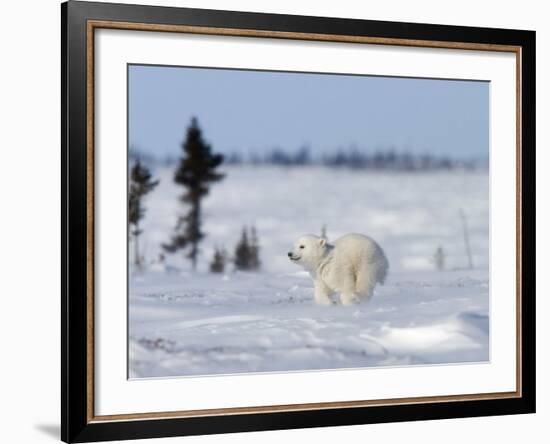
{"x": 348, "y": 296}
{"x": 322, "y": 294}
{"x": 366, "y": 281}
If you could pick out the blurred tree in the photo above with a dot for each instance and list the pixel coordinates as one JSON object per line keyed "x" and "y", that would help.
{"x": 247, "y": 251}
{"x": 243, "y": 256}
{"x": 197, "y": 170}
{"x": 439, "y": 259}
{"x": 303, "y": 156}
{"x": 234, "y": 159}
{"x": 218, "y": 261}
{"x": 140, "y": 185}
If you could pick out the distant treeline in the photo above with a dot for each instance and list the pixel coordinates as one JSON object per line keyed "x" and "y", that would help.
{"x": 383, "y": 159}
{"x": 389, "y": 159}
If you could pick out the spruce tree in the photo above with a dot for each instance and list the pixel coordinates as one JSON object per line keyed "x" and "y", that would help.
{"x": 218, "y": 261}
{"x": 140, "y": 185}
{"x": 247, "y": 251}
{"x": 242, "y": 252}
{"x": 197, "y": 170}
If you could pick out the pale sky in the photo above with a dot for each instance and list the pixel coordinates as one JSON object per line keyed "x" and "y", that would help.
{"x": 255, "y": 111}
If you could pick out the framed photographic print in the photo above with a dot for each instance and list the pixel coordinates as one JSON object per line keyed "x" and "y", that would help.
{"x": 275, "y": 221}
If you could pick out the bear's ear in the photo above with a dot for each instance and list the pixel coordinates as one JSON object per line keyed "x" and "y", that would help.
{"x": 322, "y": 242}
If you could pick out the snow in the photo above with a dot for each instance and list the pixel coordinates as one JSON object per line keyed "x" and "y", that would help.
{"x": 184, "y": 323}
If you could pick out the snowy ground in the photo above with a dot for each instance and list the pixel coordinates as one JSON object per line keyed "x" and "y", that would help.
{"x": 196, "y": 323}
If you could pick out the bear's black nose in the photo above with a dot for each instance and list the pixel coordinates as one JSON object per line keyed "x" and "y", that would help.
{"x": 289, "y": 254}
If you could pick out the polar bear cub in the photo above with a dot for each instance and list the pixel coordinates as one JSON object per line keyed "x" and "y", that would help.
{"x": 351, "y": 266}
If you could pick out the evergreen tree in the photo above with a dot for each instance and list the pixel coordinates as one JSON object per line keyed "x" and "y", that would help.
{"x": 218, "y": 261}
{"x": 242, "y": 258}
{"x": 140, "y": 185}
{"x": 247, "y": 251}
{"x": 197, "y": 170}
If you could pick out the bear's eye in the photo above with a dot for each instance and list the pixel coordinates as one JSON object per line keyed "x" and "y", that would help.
{"x": 301, "y": 246}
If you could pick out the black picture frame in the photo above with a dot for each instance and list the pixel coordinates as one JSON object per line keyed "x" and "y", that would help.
{"x": 76, "y": 326}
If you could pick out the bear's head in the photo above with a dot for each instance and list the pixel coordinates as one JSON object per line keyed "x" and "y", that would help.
{"x": 308, "y": 251}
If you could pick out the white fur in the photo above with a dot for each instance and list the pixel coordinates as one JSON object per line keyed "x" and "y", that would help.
{"x": 351, "y": 266}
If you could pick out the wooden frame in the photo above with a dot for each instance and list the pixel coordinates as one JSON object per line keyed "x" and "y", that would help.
{"x": 79, "y": 21}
